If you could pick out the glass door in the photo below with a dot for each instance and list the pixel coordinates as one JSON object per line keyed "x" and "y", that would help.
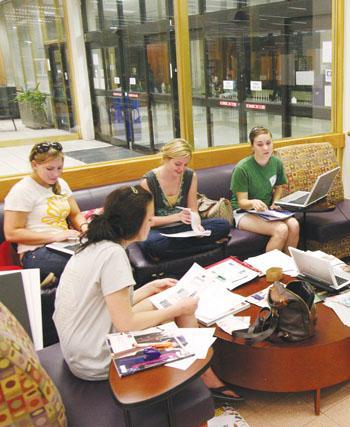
{"x": 131, "y": 57}
{"x": 60, "y": 85}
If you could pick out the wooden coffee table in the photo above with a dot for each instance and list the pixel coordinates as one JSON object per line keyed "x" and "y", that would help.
{"x": 153, "y": 385}
{"x": 313, "y": 364}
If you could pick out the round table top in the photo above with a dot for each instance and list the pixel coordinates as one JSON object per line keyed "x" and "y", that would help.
{"x": 154, "y": 384}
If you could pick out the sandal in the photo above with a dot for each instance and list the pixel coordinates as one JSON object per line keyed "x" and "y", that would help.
{"x": 218, "y": 393}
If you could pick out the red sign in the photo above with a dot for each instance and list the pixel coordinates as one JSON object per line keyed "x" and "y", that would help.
{"x": 117, "y": 94}
{"x": 228, "y": 103}
{"x": 256, "y": 106}
{"x": 133, "y": 95}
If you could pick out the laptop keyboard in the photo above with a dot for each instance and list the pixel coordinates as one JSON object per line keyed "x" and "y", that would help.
{"x": 300, "y": 199}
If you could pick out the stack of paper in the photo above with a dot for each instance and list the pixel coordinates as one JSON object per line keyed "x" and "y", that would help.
{"x": 272, "y": 215}
{"x": 215, "y": 301}
{"x": 231, "y": 272}
{"x": 340, "y": 304}
{"x": 274, "y": 258}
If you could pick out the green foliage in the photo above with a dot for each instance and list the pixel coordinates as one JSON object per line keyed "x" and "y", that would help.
{"x": 32, "y": 96}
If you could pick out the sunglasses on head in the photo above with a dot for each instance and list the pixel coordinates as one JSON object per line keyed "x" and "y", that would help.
{"x": 44, "y": 147}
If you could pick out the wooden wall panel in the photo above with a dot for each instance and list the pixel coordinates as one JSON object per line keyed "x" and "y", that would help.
{"x": 124, "y": 170}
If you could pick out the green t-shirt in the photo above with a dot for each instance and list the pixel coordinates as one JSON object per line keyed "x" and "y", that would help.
{"x": 256, "y": 180}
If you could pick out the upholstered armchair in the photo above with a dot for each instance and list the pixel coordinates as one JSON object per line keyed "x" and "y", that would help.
{"x": 326, "y": 230}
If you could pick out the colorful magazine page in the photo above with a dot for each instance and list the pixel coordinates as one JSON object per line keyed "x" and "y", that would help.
{"x": 139, "y": 350}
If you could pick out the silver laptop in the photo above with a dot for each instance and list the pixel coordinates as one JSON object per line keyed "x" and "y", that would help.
{"x": 302, "y": 199}
{"x": 318, "y": 271}
{"x": 67, "y": 246}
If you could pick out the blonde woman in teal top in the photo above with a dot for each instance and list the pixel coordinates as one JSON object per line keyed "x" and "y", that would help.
{"x": 257, "y": 183}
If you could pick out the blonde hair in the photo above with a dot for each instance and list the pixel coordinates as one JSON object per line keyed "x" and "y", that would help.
{"x": 177, "y": 147}
{"x": 43, "y": 156}
{"x": 256, "y": 131}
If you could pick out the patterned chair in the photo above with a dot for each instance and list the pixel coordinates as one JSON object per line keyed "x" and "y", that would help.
{"x": 28, "y": 397}
{"x": 328, "y": 231}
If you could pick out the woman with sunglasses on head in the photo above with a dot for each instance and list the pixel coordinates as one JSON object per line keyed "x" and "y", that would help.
{"x": 37, "y": 209}
{"x": 96, "y": 296}
{"x": 174, "y": 188}
{"x": 257, "y": 183}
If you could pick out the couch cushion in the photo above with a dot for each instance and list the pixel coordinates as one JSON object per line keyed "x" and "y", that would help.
{"x": 325, "y": 226}
{"x": 27, "y": 394}
{"x": 215, "y": 182}
{"x": 91, "y": 404}
{"x": 146, "y": 270}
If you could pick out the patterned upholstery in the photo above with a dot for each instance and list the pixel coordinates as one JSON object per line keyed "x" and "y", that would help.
{"x": 303, "y": 163}
{"x": 28, "y": 396}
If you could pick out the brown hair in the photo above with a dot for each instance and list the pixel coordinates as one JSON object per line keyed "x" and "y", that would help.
{"x": 124, "y": 212}
{"x": 256, "y": 131}
{"x": 53, "y": 151}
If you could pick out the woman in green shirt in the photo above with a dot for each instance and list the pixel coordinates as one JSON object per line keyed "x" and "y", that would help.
{"x": 257, "y": 183}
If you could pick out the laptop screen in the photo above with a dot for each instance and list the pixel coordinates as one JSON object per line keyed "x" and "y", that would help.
{"x": 323, "y": 185}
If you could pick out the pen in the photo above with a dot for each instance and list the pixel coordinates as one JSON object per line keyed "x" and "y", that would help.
{"x": 181, "y": 207}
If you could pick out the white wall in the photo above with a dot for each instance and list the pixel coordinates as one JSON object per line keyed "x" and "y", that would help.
{"x": 80, "y": 69}
{"x": 346, "y": 104}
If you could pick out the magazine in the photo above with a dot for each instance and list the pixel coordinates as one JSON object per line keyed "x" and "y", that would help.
{"x": 136, "y": 351}
{"x": 232, "y": 272}
{"x": 215, "y": 301}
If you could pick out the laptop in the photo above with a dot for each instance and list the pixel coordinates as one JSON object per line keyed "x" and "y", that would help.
{"x": 303, "y": 199}
{"x": 67, "y": 246}
{"x": 319, "y": 272}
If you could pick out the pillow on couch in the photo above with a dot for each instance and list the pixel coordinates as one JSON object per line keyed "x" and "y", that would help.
{"x": 27, "y": 394}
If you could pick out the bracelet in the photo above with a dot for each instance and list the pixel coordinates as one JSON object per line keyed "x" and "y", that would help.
{"x": 81, "y": 225}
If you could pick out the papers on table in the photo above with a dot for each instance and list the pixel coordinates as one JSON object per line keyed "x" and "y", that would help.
{"x": 196, "y": 341}
{"x": 232, "y": 273}
{"x": 274, "y": 258}
{"x": 272, "y": 215}
{"x": 259, "y": 298}
{"x": 215, "y": 301}
{"x": 234, "y": 323}
{"x": 199, "y": 340}
{"x": 340, "y": 304}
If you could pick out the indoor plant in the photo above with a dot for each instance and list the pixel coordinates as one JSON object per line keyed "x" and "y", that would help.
{"x": 32, "y": 108}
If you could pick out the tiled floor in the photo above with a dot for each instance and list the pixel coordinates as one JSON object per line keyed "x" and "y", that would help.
{"x": 297, "y": 409}
{"x": 14, "y": 159}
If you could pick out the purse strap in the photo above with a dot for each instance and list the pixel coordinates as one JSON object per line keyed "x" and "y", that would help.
{"x": 265, "y": 315}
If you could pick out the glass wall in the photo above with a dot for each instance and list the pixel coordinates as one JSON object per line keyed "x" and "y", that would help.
{"x": 33, "y": 43}
{"x": 131, "y": 55}
{"x": 260, "y": 62}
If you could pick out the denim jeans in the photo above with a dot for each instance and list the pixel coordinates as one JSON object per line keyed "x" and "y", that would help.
{"x": 47, "y": 260}
{"x": 159, "y": 246}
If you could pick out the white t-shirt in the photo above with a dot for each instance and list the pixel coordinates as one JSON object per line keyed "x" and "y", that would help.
{"x": 47, "y": 212}
{"x": 81, "y": 315}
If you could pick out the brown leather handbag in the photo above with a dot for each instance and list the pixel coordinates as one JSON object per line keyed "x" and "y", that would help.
{"x": 290, "y": 317}
{"x": 208, "y": 208}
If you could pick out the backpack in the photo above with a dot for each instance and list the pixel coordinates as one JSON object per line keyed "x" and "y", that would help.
{"x": 291, "y": 315}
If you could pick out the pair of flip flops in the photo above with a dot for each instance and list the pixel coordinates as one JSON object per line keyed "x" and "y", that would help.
{"x": 219, "y": 394}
